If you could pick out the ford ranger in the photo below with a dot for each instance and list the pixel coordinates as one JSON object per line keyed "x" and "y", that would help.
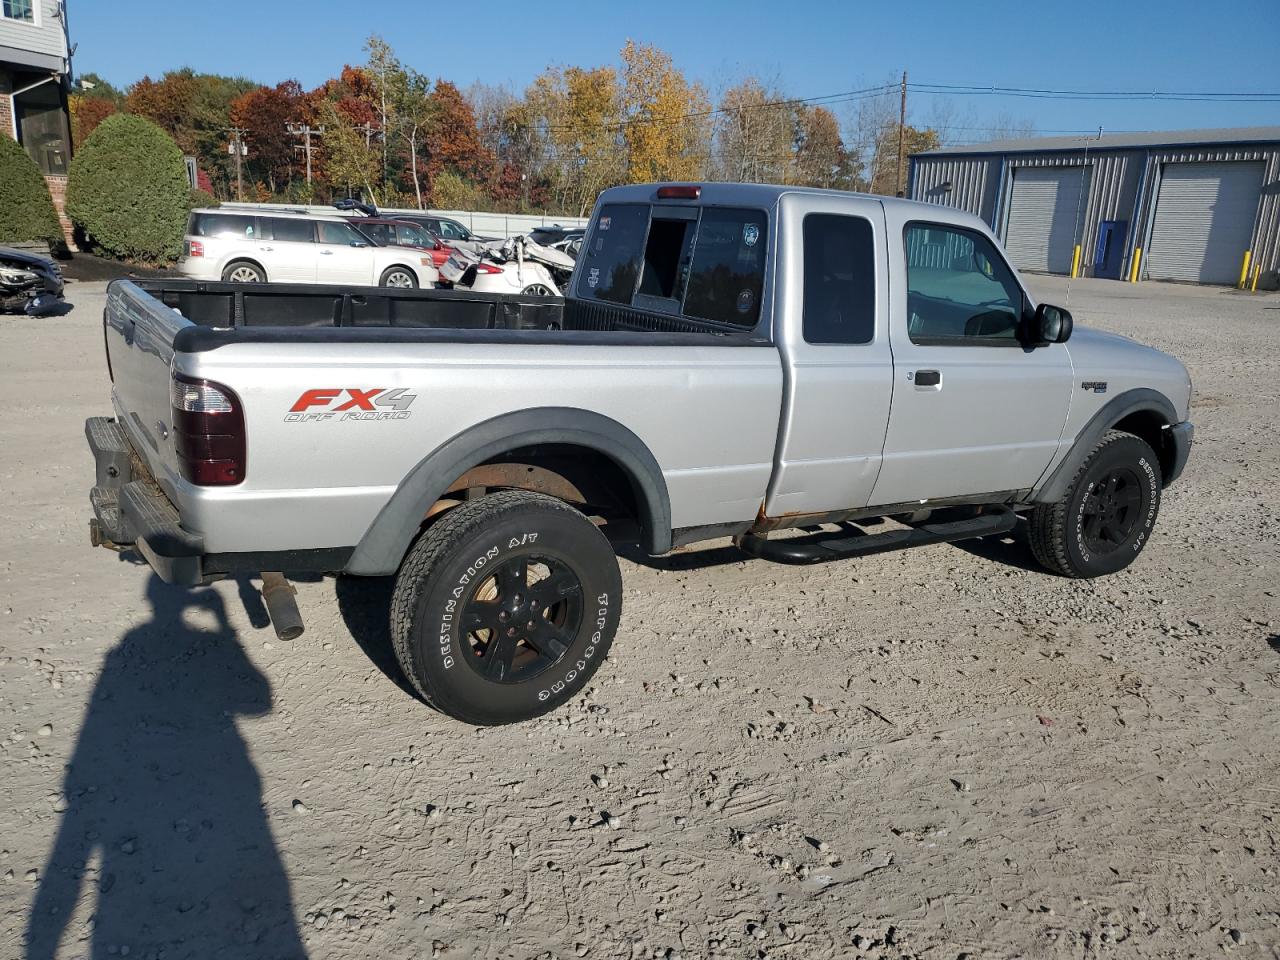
{"x": 818, "y": 375}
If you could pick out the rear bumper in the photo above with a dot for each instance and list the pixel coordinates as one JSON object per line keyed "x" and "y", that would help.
{"x": 129, "y": 509}
{"x": 1182, "y": 435}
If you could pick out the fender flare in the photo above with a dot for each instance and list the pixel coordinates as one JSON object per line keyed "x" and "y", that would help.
{"x": 387, "y": 540}
{"x": 1054, "y": 486}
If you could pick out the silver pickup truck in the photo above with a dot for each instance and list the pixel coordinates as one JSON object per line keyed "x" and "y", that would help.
{"x": 815, "y": 374}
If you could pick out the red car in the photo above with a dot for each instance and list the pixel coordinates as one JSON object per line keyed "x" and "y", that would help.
{"x": 389, "y": 232}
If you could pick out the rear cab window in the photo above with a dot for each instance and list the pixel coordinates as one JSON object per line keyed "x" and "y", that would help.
{"x": 704, "y": 263}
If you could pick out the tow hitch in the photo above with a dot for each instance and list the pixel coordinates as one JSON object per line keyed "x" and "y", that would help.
{"x": 278, "y": 594}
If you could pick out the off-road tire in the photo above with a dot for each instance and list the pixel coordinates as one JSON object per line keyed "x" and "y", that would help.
{"x": 1058, "y": 531}
{"x": 459, "y": 558}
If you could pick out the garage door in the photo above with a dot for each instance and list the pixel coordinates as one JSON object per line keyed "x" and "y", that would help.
{"x": 1043, "y": 206}
{"x": 1204, "y": 221}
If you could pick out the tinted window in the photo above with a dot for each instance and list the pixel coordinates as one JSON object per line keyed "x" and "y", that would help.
{"x": 727, "y": 275}
{"x": 379, "y": 233}
{"x": 287, "y": 228}
{"x": 222, "y": 225}
{"x": 839, "y": 279}
{"x": 959, "y": 289}
{"x": 332, "y": 231}
{"x": 612, "y": 261}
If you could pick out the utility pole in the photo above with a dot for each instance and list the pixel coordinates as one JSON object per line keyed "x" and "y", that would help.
{"x": 306, "y": 132}
{"x": 238, "y": 149}
{"x": 902, "y": 126}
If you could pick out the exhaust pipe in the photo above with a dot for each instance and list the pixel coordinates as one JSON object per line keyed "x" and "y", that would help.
{"x": 278, "y": 594}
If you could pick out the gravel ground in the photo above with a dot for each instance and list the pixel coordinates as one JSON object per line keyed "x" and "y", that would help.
{"x": 941, "y": 753}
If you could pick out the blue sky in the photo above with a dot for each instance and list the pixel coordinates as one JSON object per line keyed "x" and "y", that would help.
{"x": 809, "y": 48}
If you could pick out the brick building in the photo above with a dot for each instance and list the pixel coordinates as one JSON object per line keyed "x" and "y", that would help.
{"x": 35, "y": 77}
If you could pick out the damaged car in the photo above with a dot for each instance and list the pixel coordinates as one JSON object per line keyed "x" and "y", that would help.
{"x": 517, "y": 265}
{"x": 29, "y": 283}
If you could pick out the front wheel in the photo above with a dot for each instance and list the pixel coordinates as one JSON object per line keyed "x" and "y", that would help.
{"x": 398, "y": 277}
{"x": 505, "y": 607}
{"x": 1107, "y": 515}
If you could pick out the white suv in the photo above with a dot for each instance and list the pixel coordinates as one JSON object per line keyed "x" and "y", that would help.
{"x": 295, "y": 248}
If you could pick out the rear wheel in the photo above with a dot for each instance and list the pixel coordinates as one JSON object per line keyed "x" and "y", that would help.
{"x": 1107, "y": 515}
{"x": 243, "y": 271}
{"x": 538, "y": 290}
{"x": 398, "y": 277}
{"x": 505, "y": 607}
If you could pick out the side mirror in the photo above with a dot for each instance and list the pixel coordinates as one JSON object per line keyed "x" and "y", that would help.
{"x": 1052, "y": 324}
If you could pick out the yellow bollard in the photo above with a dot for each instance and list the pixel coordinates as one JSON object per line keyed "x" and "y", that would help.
{"x": 1075, "y": 262}
{"x": 1137, "y": 261}
{"x": 1244, "y": 270}
{"x": 1257, "y": 270}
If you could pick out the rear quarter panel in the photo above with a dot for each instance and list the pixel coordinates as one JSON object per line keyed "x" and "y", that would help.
{"x": 708, "y": 414}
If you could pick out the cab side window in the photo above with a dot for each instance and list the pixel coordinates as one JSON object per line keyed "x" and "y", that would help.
{"x": 839, "y": 279}
{"x": 959, "y": 288}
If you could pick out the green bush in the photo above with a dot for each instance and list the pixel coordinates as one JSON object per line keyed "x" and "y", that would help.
{"x": 127, "y": 190}
{"x": 26, "y": 209}
{"x": 201, "y": 200}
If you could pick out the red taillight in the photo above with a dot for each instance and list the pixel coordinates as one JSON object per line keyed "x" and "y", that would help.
{"x": 195, "y": 248}
{"x": 487, "y": 268}
{"x": 208, "y": 432}
{"x": 680, "y": 192}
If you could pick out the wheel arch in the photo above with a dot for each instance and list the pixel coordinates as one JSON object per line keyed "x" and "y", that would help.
{"x": 509, "y": 439}
{"x": 1143, "y": 412}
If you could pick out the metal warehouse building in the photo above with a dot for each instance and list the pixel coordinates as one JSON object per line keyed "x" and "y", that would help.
{"x": 1193, "y": 205}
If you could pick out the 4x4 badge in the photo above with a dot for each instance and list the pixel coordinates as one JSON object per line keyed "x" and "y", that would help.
{"x": 1095, "y": 386}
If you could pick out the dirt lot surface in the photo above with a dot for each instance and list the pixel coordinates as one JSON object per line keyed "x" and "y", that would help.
{"x": 940, "y": 753}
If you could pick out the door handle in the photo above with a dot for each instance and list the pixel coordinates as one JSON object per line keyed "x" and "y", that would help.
{"x": 927, "y": 378}
{"x": 326, "y": 253}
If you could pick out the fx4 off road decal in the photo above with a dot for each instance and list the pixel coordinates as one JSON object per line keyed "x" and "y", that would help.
{"x": 351, "y": 403}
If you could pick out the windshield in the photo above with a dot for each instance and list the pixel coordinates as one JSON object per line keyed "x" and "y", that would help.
{"x": 412, "y": 235}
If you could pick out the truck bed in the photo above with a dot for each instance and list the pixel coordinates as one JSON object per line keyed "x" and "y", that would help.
{"x": 318, "y": 306}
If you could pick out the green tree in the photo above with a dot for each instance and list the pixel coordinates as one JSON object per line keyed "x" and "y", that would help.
{"x": 127, "y": 190}
{"x": 26, "y": 209}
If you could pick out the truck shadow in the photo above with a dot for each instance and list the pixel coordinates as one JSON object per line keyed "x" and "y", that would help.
{"x": 365, "y": 606}
{"x": 161, "y": 792}
{"x": 1010, "y": 549}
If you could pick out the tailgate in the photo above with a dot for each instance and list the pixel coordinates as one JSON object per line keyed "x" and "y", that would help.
{"x": 139, "y": 334}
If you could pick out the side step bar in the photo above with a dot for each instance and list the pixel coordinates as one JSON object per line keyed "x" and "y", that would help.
{"x": 838, "y": 546}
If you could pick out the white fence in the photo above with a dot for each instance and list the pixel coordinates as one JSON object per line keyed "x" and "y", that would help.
{"x": 479, "y": 223}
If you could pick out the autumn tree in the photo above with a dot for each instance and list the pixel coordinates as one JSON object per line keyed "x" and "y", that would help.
{"x": 86, "y": 114}
{"x": 755, "y": 134}
{"x": 572, "y": 114}
{"x": 349, "y": 160}
{"x": 821, "y": 159}
{"x": 266, "y": 112}
{"x": 886, "y": 178}
{"x": 664, "y": 118}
